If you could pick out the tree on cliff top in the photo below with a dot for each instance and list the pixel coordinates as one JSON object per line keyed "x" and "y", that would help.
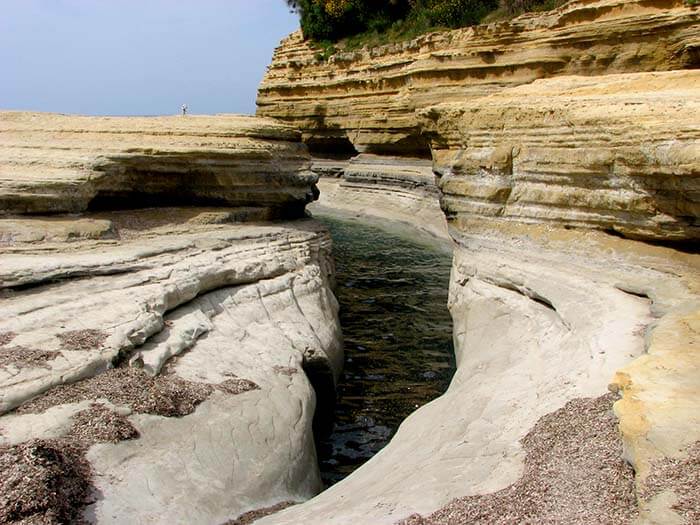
{"x": 336, "y": 19}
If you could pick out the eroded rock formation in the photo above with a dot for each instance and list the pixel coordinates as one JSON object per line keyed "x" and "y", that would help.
{"x": 169, "y": 353}
{"x": 542, "y": 316}
{"x": 617, "y": 152}
{"x": 59, "y": 163}
{"x": 367, "y": 99}
{"x": 573, "y": 206}
{"x": 401, "y": 189}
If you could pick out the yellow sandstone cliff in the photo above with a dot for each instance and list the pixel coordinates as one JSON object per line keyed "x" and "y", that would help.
{"x": 566, "y": 149}
{"x": 370, "y": 96}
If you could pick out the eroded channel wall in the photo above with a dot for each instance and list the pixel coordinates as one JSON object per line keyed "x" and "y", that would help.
{"x": 566, "y": 152}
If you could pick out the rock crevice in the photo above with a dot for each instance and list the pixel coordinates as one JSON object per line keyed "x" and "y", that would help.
{"x": 189, "y": 325}
{"x": 566, "y": 152}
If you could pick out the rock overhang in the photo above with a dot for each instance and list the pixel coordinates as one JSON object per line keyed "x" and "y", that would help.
{"x": 54, "y": 163}
{"x": 369, "y": 96}
{"x": 619, "y": 153}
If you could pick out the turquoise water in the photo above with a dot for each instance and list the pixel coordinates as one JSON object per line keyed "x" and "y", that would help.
{"x": 392, "y": 290}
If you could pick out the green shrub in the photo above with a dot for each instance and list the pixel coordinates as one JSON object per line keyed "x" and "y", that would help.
{"x": 376, "y": 22}
{"x": 336, "y": 19}
{"x": 516, "y": 7}
{"x": 326, "y": 50}
{"x": 453, "y": 13}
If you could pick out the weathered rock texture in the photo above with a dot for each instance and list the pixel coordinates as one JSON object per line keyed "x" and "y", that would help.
{"x": 399, "y": 189}
{"x": 659, "y": 419}
{"x": 550, "y": 310}
{"x": 58, "y": 163}
{"x": 542, "y": 316}
{"x": 617, "y": 152}
{"x": 170, "y": 353}
{"x": 215, "y": 304}
{"x": 368, "y": 98}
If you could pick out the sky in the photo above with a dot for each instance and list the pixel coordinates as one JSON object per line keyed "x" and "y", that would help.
{"x": 137, "y": 57}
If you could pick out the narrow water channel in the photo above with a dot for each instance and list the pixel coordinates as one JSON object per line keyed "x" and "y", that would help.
{"x": 392, "y": 290}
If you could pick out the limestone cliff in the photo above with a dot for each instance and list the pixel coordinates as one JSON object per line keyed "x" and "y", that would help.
{"x": 60, "y": 163}
{"x": 616, "y": 152}
{"x": 159, "y": 364}
{"x": 572, "y": 203}
{"x": 368, "y": 98}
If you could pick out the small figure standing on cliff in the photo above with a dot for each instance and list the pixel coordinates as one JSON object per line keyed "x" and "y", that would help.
{"x": 184, "y": 109}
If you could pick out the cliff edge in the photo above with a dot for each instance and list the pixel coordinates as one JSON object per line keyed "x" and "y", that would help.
{"x": 566, "y": 152}
{"x": 160, "y": 339}
{"x": 367, "y": 99}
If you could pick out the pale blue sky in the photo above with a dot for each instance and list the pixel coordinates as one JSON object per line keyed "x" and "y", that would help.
{"x": 137, "y": 57}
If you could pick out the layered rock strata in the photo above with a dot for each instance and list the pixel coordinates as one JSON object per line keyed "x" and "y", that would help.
{"x": 168, "y": 355}
{"x": 367, "y": 99}
{"x": 551, "y": 313}
{"x": 618, "y": 153}
{"x": 59, "y": 163}
{"x": 400, "y": 189}
{"x": 543, "y": 316}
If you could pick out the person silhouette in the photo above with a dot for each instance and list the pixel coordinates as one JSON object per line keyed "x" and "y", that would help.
{"x": 184, "y": 109}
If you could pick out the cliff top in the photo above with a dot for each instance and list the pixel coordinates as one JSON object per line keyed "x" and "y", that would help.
{"x": 51, "y": 163}
{"x": 227, "y": 125}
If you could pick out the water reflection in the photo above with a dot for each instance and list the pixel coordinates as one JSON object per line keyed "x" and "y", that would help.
{"x": 398, "y": 338}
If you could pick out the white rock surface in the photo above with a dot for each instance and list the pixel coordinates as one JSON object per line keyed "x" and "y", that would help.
{"x": 235, "y": 453}
{"x": 210, "y": 301}
{"x": 381, "y": 188}
{"x": 540, "y": 318}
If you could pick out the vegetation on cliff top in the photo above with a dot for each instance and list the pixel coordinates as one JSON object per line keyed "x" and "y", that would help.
{"x": 375, "y": 22}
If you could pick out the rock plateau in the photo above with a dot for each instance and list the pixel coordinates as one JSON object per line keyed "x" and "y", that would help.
{"x": 59, "y": 163}
{"x": 163, "y": 343}
{"x": 159, "y": 364}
